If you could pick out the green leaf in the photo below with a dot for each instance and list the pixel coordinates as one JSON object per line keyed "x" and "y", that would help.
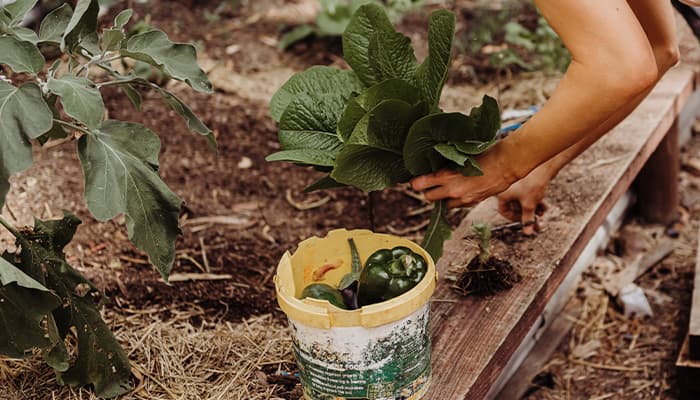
{"x": 368, "y": 21}
{"x": 295, "y": 35}
{"x": 369, "y": 168}
{"x": 120, "y": 161}
{"x": 471, "y": 135}
{"x": 17, "y": 125}
{"x": 24, "y": 303}
{"x": 91, "y": 43}
{"x": 324, "y": 183}
{"x": 432, "y": 74}
{"x": 101, "y": 361}
{"x": 356, "y": 267}
{"x": 21, "y": 56}
{"x": 310, "y": 122}
{"x": 178, "y": 60}
{"x": 391, "y": 56}
{"x": 193, "y": 122}
{"x": 123, "y": 18}
{"x": 316, "y": 80}
{"x": 54, "y": 25}
{"x": 18, "y": 10}
{"x": 304, "y": 156}
{"x": 133, "y": 95}
{"x": 358, "y": 106}
{"x": 386, "y": 126}
{"x": 57, "y": 131}
{"x": 25, "y": 34}
{"x": 480, "y": 134}
{"x": 112, "y": 39}
{"x": 439, "y": 230}
{"x": 82, "y": 25}
{"x": 450, "y": 152}
{"x": 80, "y": 98}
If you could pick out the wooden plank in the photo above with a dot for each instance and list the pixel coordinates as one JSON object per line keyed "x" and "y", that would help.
{"x": 473, "y": 339}
{"x": 559, "y": 299}
{"x": 520, "y": 382}
{"x": 694, "y": 330}
{"x": 688, "y": 372}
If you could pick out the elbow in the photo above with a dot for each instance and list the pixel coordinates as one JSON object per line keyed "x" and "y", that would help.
{"x": 666, "y": 57}
{"x": 627, "y": 80}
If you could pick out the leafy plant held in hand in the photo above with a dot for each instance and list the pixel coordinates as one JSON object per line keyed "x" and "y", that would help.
{"x": 380, "y": 124}
{"x": 42, "y": 298}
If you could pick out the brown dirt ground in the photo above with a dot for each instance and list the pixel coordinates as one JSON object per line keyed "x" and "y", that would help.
{"x": 164, "y": 326}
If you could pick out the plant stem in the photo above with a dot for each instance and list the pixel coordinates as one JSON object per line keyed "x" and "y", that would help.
{"x": 9, "y": 227}
{"x": 72, "y": 126}
{"x": 370, "y": 209}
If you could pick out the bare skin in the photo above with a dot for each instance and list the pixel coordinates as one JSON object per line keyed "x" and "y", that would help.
{"x": 610, "y": 41}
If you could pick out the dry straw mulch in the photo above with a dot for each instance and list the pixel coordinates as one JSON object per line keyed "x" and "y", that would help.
{"x": 174, "y": 360}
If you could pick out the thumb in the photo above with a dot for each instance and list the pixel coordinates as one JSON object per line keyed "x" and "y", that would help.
{"x": 528, "y": 219}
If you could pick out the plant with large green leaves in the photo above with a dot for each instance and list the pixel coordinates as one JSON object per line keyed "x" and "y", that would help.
{"x": 380, "y": 124}
{"x": 42, "y": 298}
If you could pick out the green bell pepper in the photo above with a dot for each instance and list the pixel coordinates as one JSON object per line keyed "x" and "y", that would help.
{"x": 390, "y": 273}
{"x": 323, "y": 291}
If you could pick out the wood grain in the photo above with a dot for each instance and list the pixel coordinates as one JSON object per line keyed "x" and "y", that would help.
{"x": 473, "y": 339}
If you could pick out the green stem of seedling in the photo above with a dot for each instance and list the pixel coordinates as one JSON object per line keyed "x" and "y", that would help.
{"x": 72, "y": 126}
{"x": 9, "y": 227}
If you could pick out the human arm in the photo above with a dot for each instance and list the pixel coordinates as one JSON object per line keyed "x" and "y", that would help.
{"x": 608, "y": 46}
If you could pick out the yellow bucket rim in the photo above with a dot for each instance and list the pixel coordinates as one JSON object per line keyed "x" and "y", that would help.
{"x": 321, "y": 314}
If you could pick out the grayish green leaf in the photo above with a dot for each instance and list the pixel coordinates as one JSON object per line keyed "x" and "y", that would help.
{"x": 450, "y": 152}
{"x": 123, "y": 18}
{"x": 432, "y": 74}
{"x": 120, "y": 161}
{"x": 17, "y": 125}
{"x": 369, "y": 168}
{"x": 21, "y": 56}
{"x": 25, "y": 34}
{"x": 316, "y": 80}
{"x": 133, "y": 95}
{"x": 368, "y": 21}
{"x": 80, "y": 98}
{"x": 112, "y": 39}
{"x": 193, "y": 122}
{"x": 83, "y": 24}
{"x": 17, "y": 10}
{"x": 54, "y": 25}
{"x": 178, "y": 60}
{"x": 439, "y": 230}
{"x": 24, "y": 303}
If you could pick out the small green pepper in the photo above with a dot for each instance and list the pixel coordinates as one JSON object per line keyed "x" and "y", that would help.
{"x": 390, "y": 273}
{"x": 322, "y": 291}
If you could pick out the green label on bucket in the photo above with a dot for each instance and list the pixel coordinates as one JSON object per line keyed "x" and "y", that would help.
{"x": 376, "y": 363}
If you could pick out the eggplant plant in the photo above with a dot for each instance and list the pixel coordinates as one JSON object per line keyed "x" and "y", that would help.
{"x": 379, "y": 124}
{"x": 43, "y": 300}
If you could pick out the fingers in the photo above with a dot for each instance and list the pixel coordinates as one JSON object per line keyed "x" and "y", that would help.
{"x": 528, "y": 219}
{"x": 510, "y": 209}
{"x": 431, "y": 180}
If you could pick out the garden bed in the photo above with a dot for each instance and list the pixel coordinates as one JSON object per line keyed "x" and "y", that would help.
{"x": 224, "y": 337}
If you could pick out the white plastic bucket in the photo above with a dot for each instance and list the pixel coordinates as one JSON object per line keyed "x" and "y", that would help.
{"x": 378, "y": 352}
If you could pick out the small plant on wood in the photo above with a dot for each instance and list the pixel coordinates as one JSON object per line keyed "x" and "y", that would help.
{"x": 485, "y": 274}
{"x": 44, "y": 302}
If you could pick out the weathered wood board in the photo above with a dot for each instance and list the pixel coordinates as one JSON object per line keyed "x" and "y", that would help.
{"x": 474, "y": 339}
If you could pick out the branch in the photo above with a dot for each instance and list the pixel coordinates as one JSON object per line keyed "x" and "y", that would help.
{"x": 72, "y": 126}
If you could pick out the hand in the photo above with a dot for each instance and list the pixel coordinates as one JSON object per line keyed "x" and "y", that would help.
{"x": 522, "y": 202}
{"x": 467, "y": 190}
{"x": 692, "y": 3}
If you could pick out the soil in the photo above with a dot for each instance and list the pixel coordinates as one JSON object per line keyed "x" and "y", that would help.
{"x": 486, "y": 278}
{"x": 267, "y": 212}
